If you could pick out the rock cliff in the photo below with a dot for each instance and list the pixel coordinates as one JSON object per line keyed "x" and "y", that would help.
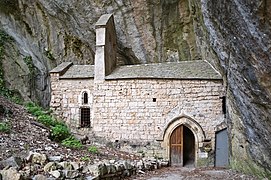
{"x": 233, "y": 35}
{"x": 241, "y": 38}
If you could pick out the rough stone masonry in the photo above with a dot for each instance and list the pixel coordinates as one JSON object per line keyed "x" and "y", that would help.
{"x": 140, "y": 105}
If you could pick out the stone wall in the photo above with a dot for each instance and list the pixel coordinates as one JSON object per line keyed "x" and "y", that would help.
{"x": 138, "y": 109}
{"x": 136, "y": 112}
{"x": 67, "y": 99}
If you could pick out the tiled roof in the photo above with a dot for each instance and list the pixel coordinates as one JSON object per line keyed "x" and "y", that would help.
{"x": 79, "y": 72}
{"x": 171, "y": 70}
{"x": 62, "y": 68}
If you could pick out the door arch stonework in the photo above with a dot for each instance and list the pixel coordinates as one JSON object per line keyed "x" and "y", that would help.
{"x": 190, "y": 123}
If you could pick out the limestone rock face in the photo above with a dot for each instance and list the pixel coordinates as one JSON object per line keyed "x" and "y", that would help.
{"x": 49, "y": 32}
{"x": 241, "y": 38}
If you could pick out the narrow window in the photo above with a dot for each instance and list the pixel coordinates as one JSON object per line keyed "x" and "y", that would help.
{"x": 224, "y": 110}
{"x": 85, "y": 117}
{"x": 85, "y": 97}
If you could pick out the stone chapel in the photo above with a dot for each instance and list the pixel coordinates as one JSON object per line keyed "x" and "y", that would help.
{"x": 172, "y": 110}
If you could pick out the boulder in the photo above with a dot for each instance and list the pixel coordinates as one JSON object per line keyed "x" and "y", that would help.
{"x": 126, "y": 165}
{"x": 39, "y": 177}
{"x": 56, "y": 174}
{"x": 140, "y": 165}
{"x": 119, "y": 167}
{"x": 25, "y": 172}
{"x": 111, "y": 168}
{"x": 11, "y": 162}
{"x": 10, "y": 173}
{"x": 92, "y": 178}
{"x": 36, "y": 158}
{"x": 70, "y": 174}
{"x": 66, "y": 165}
{"x": 55, "y": 158}
{"x": 112, "y": 161}
{"x": 75, "y": 165}
{"x": 141, "y": 172}
{"x": 102, "y": 169}
{"x": 94, "y": 170}
{"x": 164, "y": 163}
{"x": 50, "y": 166}
{"x": 148, "y": 166}
{"x": 98, "y": 169}
{"x": 126, "y": 173}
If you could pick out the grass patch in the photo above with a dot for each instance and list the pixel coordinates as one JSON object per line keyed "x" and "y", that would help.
{"x": 34, "y": 109}
{"x": 85, "y": 158}
{"x": 72, "y": 142}
{"x": 93, "y": 149}
{"x": 59, "y": 130}
{"x": 5, "y": 127}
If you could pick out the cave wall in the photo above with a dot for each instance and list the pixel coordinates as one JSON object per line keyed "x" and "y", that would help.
{"x": 241, "y": 38}
{"x": 55, "y": 31}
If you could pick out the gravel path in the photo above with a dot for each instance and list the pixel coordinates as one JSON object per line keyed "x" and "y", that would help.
{"x": 183, "y": 173}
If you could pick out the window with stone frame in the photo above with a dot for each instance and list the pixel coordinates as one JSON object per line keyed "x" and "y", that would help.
{"x": 85, "y": 117}
{"x": 85, "y": 97}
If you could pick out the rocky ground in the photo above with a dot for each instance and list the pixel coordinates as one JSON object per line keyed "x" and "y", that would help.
{"x": 33, "y": 155}
{"x": 29, "y": 135}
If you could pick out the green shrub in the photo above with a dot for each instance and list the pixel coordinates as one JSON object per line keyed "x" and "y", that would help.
{"x": 47, "y": 120}
{"x": 34, "y": 109}
{"x": 72, "y": 142}
{"x": 84, "y": 158}
{"x": 5, "y": 127}
{"x": 93, "y": 149}
{"x": 60, "y": 132}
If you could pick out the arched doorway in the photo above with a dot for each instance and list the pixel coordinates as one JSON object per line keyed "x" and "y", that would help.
{"x": 182, "y": 146}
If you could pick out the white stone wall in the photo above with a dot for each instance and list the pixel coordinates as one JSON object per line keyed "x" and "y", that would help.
{"x": 66, "y": 99}
{"x": 124, "y": 109}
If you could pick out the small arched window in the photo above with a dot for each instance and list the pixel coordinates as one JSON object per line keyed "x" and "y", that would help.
{"x": 85, "y": 97}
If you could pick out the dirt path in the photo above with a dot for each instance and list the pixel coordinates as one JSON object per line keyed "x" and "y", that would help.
{"x": 183, "y": 173}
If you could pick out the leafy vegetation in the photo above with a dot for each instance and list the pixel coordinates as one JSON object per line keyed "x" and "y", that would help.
{"x": 5, "y": 127}
{"x": 34, "y": 109}
{"x": 72, "y": 142}
{"x": 93, "y": 149}
{"x": 59, "y": 131}
{"x": 47, "y": 120}
{"x": 49, "y": 55}
{"x": 29, "y": 62}
{"x": 85, "y": 158}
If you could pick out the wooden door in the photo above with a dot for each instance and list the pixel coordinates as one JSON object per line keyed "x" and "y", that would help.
{"x": 176, "y": 146}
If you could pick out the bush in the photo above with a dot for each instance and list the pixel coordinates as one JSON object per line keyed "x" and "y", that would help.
{"x": 72, "y": 142}
{"x": 34, "y": 109}
{"x": 5, "y": 127}
{"x": 60, "y": 132}
{"x": 84, "y": 158}
{"x": 47, "y": 120}
{"x": 93, "y": 149}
